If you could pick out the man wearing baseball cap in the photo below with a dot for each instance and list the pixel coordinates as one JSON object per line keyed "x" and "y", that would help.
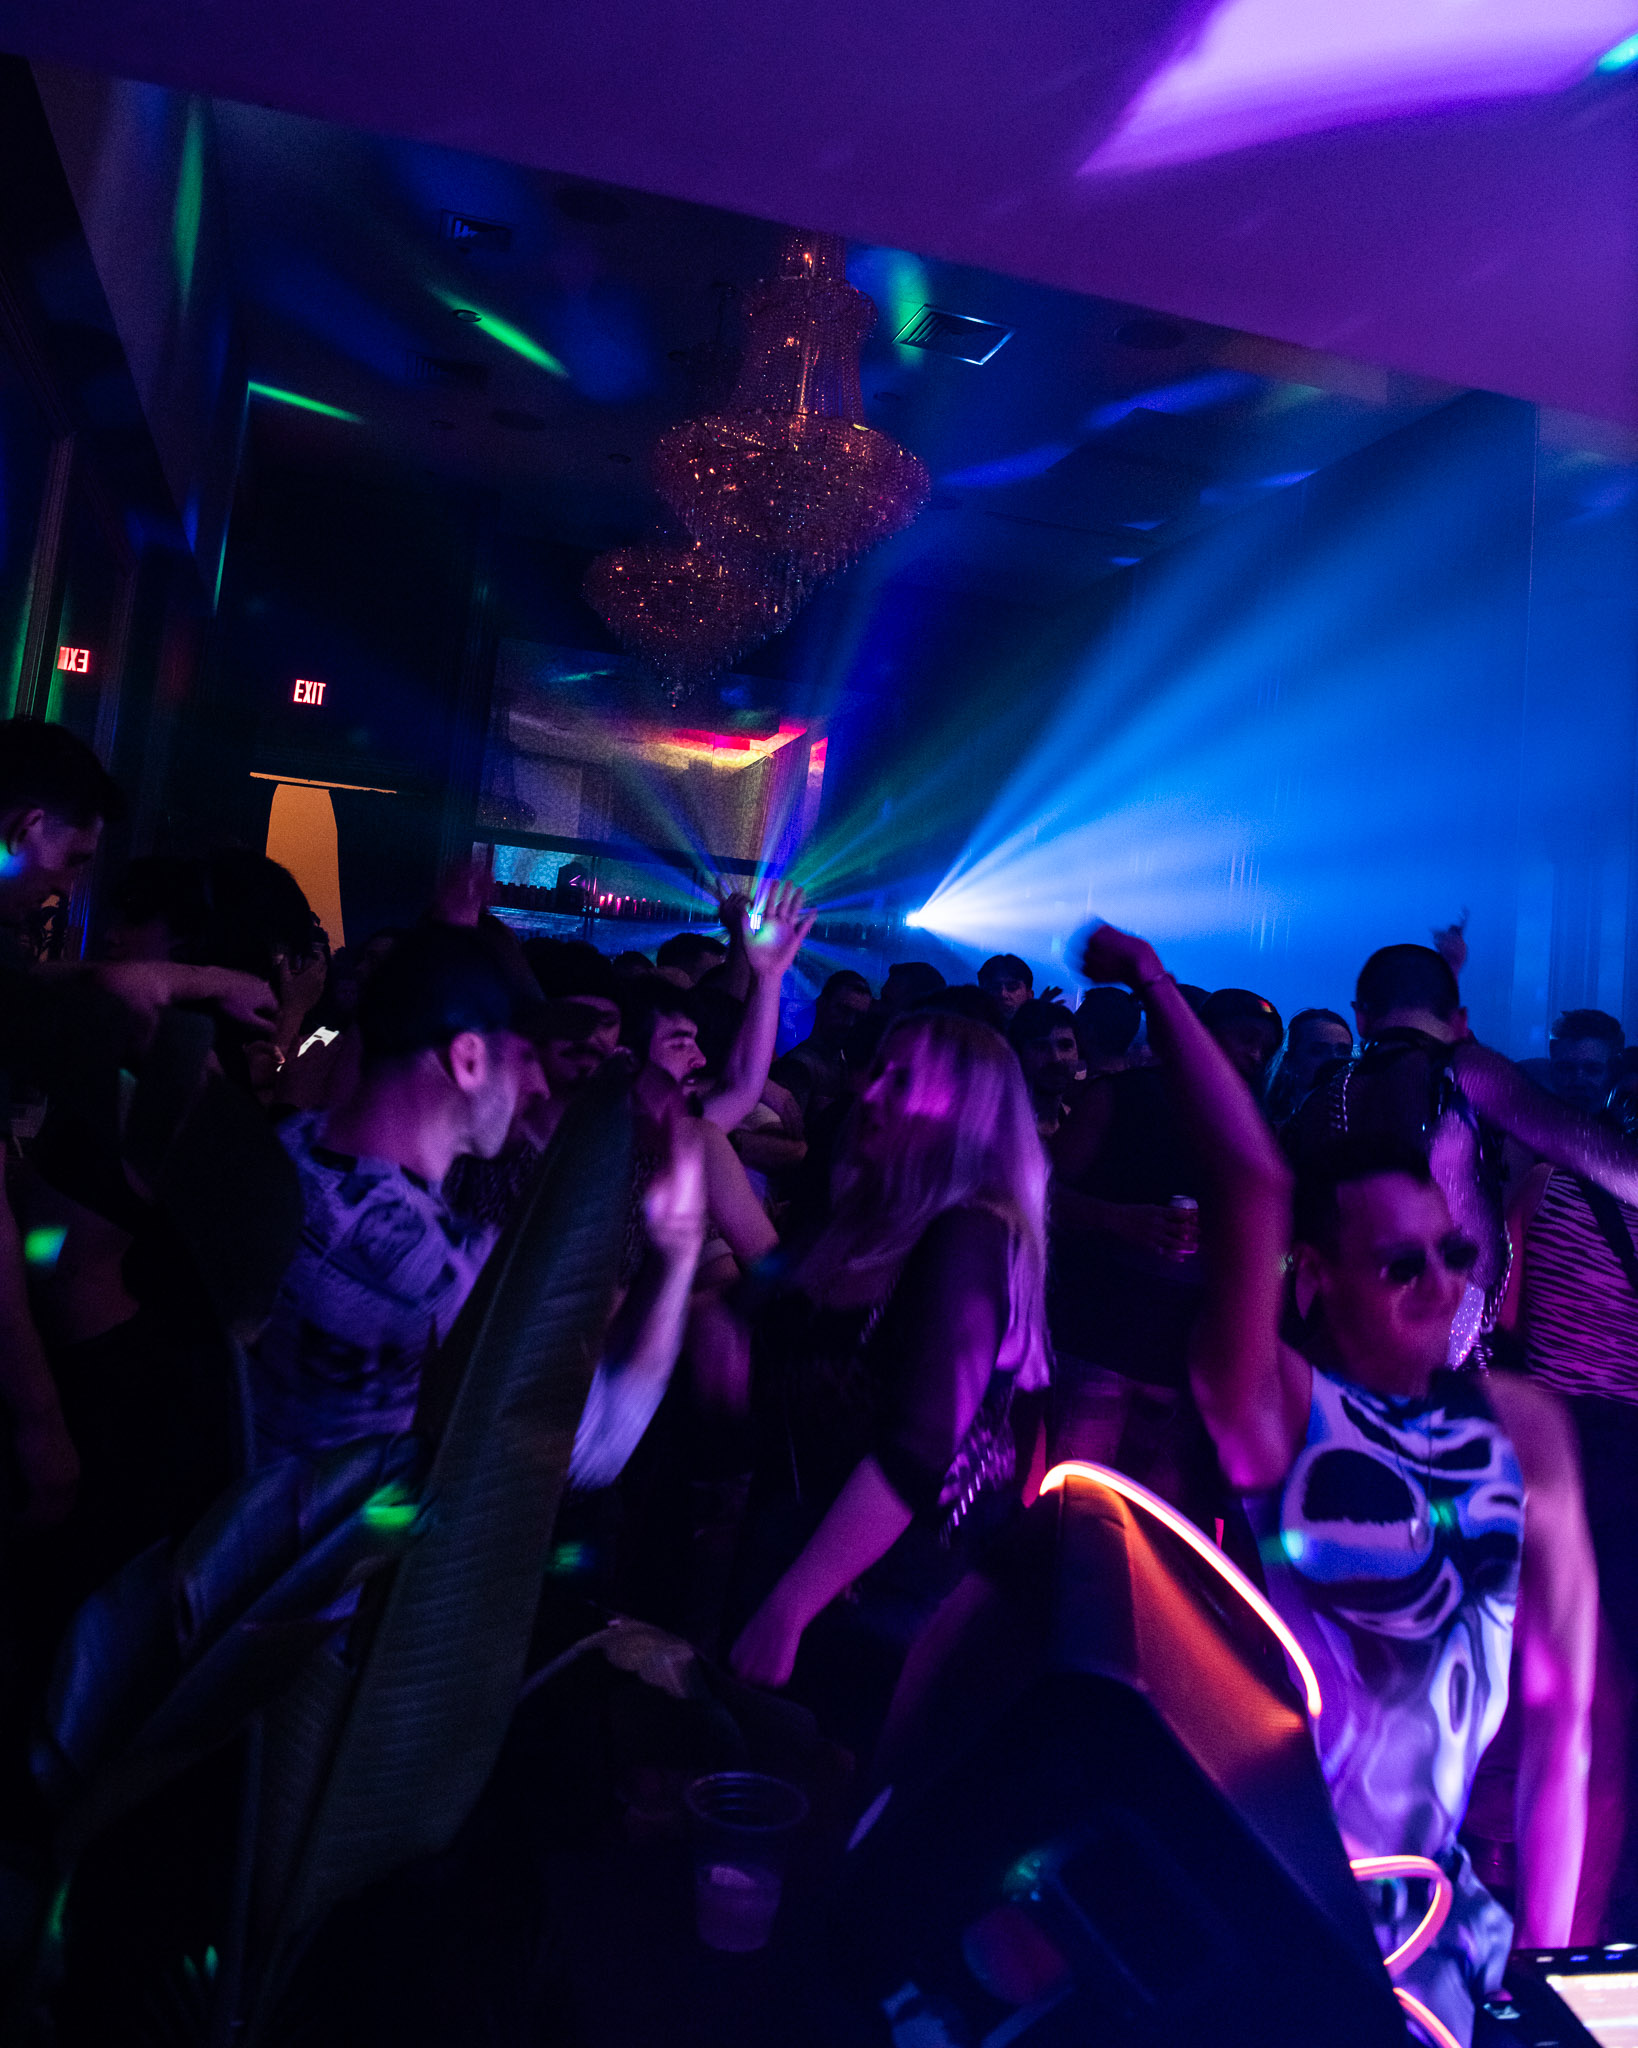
{"x": 385, "y": 1263}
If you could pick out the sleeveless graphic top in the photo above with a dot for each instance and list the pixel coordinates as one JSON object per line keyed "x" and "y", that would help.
{"x": 1393, "y": 1551}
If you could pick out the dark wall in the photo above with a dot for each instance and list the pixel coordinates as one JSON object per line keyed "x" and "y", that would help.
{"x": 368, "y": 588}
{"x": 92, "y": 549}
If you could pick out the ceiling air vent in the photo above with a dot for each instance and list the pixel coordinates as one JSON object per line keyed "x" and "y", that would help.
{"x": 444, "y": 373}
{"x": 953, "y": 334}
{"x": 473, "y": 233}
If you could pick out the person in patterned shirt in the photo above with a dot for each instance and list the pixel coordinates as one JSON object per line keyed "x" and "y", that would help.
{"x": 1418, "y": 1526}
{"x": 385, "y": 1263}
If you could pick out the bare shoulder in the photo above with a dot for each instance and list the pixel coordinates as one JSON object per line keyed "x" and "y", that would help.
{"x": 1539, "y": 1424}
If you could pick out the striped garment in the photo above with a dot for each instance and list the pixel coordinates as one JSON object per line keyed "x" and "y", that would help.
{"x": 1580, "y": 1311}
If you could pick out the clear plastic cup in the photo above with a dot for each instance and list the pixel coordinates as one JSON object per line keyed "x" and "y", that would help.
{"x": 742, "y": 1823}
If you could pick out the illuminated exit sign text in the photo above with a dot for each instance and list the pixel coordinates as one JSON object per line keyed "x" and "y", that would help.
{"x": 76, "y": 660}
{"x": 309, "y": 692}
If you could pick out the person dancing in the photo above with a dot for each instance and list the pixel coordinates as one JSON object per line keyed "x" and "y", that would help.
{"x": 1405, "y": 1513}
{"x": 888, "y": 1356}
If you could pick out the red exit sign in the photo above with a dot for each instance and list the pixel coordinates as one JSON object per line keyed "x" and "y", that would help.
{"x": 308, "y": 692}
{"x": 76, "y": 660}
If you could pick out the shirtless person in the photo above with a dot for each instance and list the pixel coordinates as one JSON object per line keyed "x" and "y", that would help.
{"x": 1404, "y": 1512}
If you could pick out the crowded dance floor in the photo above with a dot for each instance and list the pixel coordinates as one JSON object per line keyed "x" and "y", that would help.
{"x": 818, "y": 909}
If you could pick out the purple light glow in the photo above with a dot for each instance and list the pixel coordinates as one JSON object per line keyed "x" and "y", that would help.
{"x": 1264, "y": 69}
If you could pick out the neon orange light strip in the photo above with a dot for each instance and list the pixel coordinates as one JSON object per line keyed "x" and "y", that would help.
{"x": 313, "y": 782}
{"x": 1430, "y": 2023}
{"x": 1366, "y": 1868}
{"x": 1202, "y": 1546}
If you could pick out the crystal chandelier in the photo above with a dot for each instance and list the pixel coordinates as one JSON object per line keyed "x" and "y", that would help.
{"x": 682, "y": 608}
{"x": 787, "y": 473}
{"x": 780, "y": 489}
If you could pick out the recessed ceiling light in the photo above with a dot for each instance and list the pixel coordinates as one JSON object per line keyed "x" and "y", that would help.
{"x": 895, "y": 396}
{"x": 466, "y": 313}
{"x": 444, "y": 423}
{"x": 616, "y": 456}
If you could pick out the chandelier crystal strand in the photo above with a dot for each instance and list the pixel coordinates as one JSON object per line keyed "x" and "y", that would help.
{"x": 682, "y": 608}
{"x": 788, "y": 472}
{"x": 780, "y": 489}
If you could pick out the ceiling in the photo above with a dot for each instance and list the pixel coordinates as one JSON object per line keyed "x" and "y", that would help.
{"x": 1441, "y": 188}
{"x": 544, "y": 370}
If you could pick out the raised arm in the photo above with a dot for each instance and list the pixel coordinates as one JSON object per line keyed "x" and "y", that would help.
{"x": 770, "y": 950}
{"x": 646, "y": 1335}
{"x": 736, "y": 922}
{"x": 1550, "y": 1128}
{"x": 1554, "y": 1650}
{"x": 1252, "y": 1392}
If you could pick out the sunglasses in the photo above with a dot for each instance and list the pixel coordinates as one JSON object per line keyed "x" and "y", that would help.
{"x": 1457, "y": 1254}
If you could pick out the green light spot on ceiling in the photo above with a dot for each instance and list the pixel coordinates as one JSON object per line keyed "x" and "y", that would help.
{"x": 41, "y": 1247}
{"x": 302, "y": 404}
{"x": 509, "y": 336}
{"x": 1620, "y": 57}
{"x": 190, "y": 203}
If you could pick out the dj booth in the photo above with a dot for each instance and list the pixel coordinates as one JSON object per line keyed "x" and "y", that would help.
{"x": 1100, "y": 1822}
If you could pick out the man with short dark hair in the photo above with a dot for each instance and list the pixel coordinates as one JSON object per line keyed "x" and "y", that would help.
{"x": 385, "y": 1264}
{"x": 909, "y": 982}
{"x": 55, "y": 798}
{"x": 1583, "y": 1052}
{"x": 1106, "y": 1027}
{"x": 1248, "y": 1028}
{"x": 688, "y": 957}
{"x": 659, "y": 1027}
{"x": 1010, "y": 980}
{"x": 1420, "y": 1076}
{"x": 1404, "y": 1514}
{"x": 816, "y": 1070}
{"x": 1043, "y": 1036}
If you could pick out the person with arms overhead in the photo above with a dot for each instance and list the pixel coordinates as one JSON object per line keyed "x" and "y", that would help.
{"x": 1406, "y": 1514}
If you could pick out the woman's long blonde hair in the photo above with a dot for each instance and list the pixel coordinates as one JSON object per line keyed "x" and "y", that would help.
{"x": 969, "y": 1137}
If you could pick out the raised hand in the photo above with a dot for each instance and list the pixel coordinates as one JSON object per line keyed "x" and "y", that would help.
{"x": 735, "y": 911}
{"x": 245, "y": 998}
{"x": 146, "y": 986}
{"x": 1111, "y": 955}
{"x": 786, "y": 923}
{"x": 1451, "y": 944}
